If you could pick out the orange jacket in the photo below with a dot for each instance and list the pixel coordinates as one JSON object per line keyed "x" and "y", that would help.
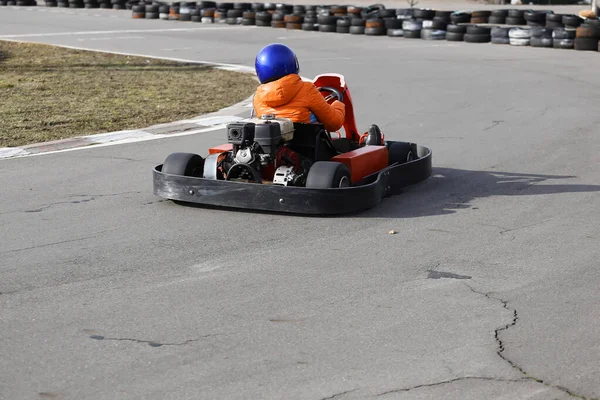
{"x": 290, "y": 97}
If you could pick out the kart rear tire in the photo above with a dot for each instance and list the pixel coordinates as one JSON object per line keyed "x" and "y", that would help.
{"x": 328, "y": 175}
{"x": 399, "y": 152}
{"x": 184, "y": 164}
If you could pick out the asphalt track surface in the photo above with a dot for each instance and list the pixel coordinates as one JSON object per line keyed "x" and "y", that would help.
{"x": 488, "y": 290}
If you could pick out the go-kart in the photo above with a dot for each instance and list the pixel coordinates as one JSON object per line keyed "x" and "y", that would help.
{"x": 274, "y": 164}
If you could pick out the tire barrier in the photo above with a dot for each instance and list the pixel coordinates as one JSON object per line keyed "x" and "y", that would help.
{"x": 516, "y": 27}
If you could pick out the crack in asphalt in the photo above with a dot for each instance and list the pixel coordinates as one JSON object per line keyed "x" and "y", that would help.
{"x": 151, "y": 342}
{"x": 337, "y": 395}
{"x": 481, "y": 378}
{"x": 60, "y": 242}
{"x": 89, "y": 197}
{"x": 501, "y": 347}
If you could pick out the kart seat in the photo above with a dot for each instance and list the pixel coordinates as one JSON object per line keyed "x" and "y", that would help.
{"x": 314, "y": 142}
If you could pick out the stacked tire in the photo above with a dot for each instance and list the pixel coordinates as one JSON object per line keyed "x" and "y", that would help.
{"x": 456, "y": 33}
{"x": 393, "y": 27}
{"x": 563, "y": 38}
{"x": 263, "y": 18}
{"x": 357, "y": 26}
{"x": 434, "y": 29}
{"x": 554, "y": 20}
{"x": 587, "y": 37}
{"x": 498, "y": 17}
{"x": 460, "y": 17}
{"x": 327, "y": 23}
{"x": 535, "y": 18}
{"x": 411, "y": 28}
{"x": 499, "y": 35}
{"x": 542, "y": 37}
{"x": 375, "y": 27}
{"x": 519, "y": 36}
{"x": 480, "y": 17}
{"x": 515, "y": 17}
{"x": 478, "y": 34}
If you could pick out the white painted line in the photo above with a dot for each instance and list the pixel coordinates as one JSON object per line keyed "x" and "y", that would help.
{"x": 219, "y": 120}
{"x": 111, "y": 38}
{"x": 117, "y": 136}
{"x": 117, "y": 142}
{"x": 6, "y": 152}
{"x": 216, "y": 28}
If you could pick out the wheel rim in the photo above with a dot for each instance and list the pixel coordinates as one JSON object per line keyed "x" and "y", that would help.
{"x": 344, "y": 182}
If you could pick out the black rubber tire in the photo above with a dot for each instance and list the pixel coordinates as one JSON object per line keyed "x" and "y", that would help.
{"x": 499, "y": 13}
{"x": 478, "y": 30}
{"x": 327, "y": 28}
{"x": 328, "y": 175}
{"x": 393, "y": 23}
{"x": 263, "y": 16}
{"x": 438, "y": 25}
{"x": 500, "y": 40}
{"x": 533, "y": 23}
{"x": 586, "y": 44}
{"x": 327, "y": 20}
{"x": 572, "y": 21}
{"x": 395, "y": 33}
{"x": 474, "y": 38}
{"x": 433, "y": 34}
{"x": 456, "y": 28}
{"x": 248, "y": 21}
{"x": 400, "y": 153}
{"x": 375, "y": 31}
{"x": 184, "y": 164}
{"x": 357, "y": 22}
{"x": 425, "y": 14}
{"x": 563, "y": 43}
{"x": 515, "y": 13}
{"x": 460, "y": 18}
{"x": 343, "y": 23}
{"x": 441, "y": 14}
{"x": 455, "y": 36}
{"x": 342, "y": 29}
{"x": 559, "y": 34}
{"x": 540, "y": 42}
{"x": 412, "y": 34}
{"x": 554, "y": 25}
{"x": 515, "y": 21}
{"x": 263, "y": 23}
{"x": 499, "y": 32}
{"x": 497, "y": 20}
{"x": 554, "y": 17}
{"x": 538, "y": 17}
{"x": 541, "y": 32}
{"x": 357, "y": 30}
{"x": 310, "y": 27}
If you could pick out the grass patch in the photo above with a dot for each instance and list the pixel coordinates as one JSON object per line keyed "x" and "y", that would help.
{"x": 51, "y": 93}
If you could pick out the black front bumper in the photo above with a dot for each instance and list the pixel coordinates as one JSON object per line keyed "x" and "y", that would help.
{"x": 296, "y": 200}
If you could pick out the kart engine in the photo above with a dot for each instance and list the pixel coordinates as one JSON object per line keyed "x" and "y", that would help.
{"x": 261, "y": 143}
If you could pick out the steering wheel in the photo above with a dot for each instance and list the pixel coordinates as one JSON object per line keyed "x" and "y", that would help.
{"x": 334, "y": 93}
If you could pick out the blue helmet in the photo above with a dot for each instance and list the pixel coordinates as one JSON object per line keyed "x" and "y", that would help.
{"x": 274, "y": 62}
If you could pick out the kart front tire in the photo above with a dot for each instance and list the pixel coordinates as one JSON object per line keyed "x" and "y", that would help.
{"x": 328, "y": 175}
{"x": 183, "y": 164}
{"x": 399, "y": 152}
